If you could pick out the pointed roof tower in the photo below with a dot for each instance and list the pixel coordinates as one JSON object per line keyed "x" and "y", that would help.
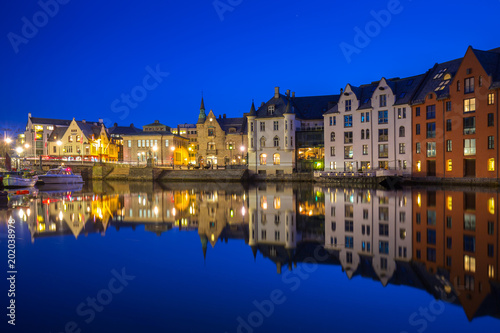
{"x": 202, "y": 117}
{"x": 252, "y": 113}
{"x": 289, "y": 108}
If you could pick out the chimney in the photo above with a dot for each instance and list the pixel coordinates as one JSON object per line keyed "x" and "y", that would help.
{"x": 115, "y": 125}
{"x": 224, "y": 116}
{"x": 220, "y": 117}
{"x": 100, "y": 121}
{"x": 84, "y": 121}
{"x": 288, "y": 93}
{"x": 293, "y": 94}
{"x": 341, "y": 91}
{"x": 29, "y": 115}
{"x": 132, "y": 125}
{"x": 277, "y": 92}
{"x": 157, "y": 121}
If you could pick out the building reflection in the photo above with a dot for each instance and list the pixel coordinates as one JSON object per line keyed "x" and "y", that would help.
{"x": 443, "y": 242}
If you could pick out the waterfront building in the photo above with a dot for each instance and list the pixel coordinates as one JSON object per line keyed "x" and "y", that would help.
{"x": 38, "y": 131}
{"x": 221, "y": 140}
{"x": 81, "y": 140}
{"x": 117, "y": 133}
{"x": 189, "y": 131}
{"x": 370, "y": 127}
{"x": 155, "y": 142}
{"x": 284, "y": 130}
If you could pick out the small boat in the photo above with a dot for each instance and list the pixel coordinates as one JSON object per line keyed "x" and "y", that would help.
{"x": 61, "y": 175}
{"x": 19, "y": 179}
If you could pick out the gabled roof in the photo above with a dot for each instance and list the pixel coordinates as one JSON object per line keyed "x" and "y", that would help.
{"x": 435, "y": 78}
{"x": 407, "y": 87}
{"x": 490, "y": 60}
{"x": 57, "y": 133}
{"x": 279, "y": 107}
{"x": 89, "y": 129}
{"x": 156, "y": 123}
{"x": 365, "y": 93}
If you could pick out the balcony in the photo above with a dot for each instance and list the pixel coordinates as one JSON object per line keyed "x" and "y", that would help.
{"x": 211, "y": 151}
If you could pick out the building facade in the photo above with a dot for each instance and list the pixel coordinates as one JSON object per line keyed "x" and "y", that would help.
{"x": 222, "y": 140}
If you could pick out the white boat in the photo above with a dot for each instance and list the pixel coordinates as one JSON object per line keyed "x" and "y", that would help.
{"x": 61, "y": 175}
{"x": 19, "y": 179}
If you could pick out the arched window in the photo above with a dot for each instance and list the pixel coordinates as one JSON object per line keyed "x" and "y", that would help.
{"x": 362, "y": 134}
{"x": 367, "y": 134}
{"x": 276, "y": 141}
{"x": 276, "y": 159}
{"x": 401, "y": 132}
{"x": 262, "y": 142}
{"x": 332, "y": 137}
{"x": 263, "y": 159}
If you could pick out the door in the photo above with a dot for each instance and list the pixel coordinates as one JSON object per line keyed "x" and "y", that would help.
{"x": 470, "y": 168}
{"x": 431, "y": 168}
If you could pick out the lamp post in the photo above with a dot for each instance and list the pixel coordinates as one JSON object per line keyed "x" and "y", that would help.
{"x": 59, "y": 143}
{"x": 155, "y": 149}
{"x": 242, "y": 149}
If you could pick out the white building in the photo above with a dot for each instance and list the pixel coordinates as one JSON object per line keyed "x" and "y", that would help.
{"x": 273, "y": 130}
{"x": 370, "y": 127}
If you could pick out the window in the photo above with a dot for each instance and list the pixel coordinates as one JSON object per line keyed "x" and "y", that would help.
{"x": 382, "y": 117}
{"x": 431, "y": 236}
{"x": 491, "y": 119}
{"x": 458, "y": 85}
{"x": 251, "y": 126}
{"x": 469, "y": 243}
{"x": 262, "y": 142}
{"x": 276, "y": 159}
{"x": 417, "y": 111}
{"x": 491, "y": 164}
{"x": 362, "y": 117}
{"x": 431, "y": 130}
{"x": 348, "y": 105}
{"x": 367, "y": 117}
{"x": 349, "y": 226}
{"x": 263, "y": 158}
{"x": 448, "y": 106}
{"x": 448, "y": 125}
{"x": 491, "y": 99}
{"x": 275, "y": 125}
{"x": 448, "y": 146}
{"x": 365, "y": 149}
{"x": 334, "y": 121}
{"x": 469, "y": 105}
{"x": 480, "y": 81}
{"x": 270, "y": 109}
{"x": 469, "y": 264}
{"x": 383, "y": 135}
{"x": 332, "y": 137}
{"x": 491, "y": 228}
{"x": 166, "y": 143}
{"x": 417, "y": 147}
{"x": 417, "y": 129}
{"x": 449, "y": 165}
{"x": 383, "y": 100}
{"x": 276, "y": 141}
{"x": 470, "y": 125}
{"x": 367, "y": 134}
{"x": 402, "y": 132}
{"x": 129, "y": 144}
{"x": 383, "y": 151}
{"x": 349, "y": 242}
{"x": 491, "y": 142}
{"x": 469, "y": 147}
{"x": 469, "y": 85}
{"x": 210, "y": 132}
{"x": 348, "y": 121}
{"x": 383, "y": 247}
{"x": 347, "y": 137}
{"x": 402, "y": 148}
{"x": 262, "y": 126}
{"x": 362, "y": 134}
{"x": 383, "y": 229}
{"x": 431, "y": 112}
{"x": 348, "y": 152}
{"x": 332, "y": 151}
{"x": 54, "y": 150}
{"x": 431, "y": 149}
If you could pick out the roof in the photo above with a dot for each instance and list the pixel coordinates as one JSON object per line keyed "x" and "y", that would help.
{"x": 309, "y": 107}
{"x": 48, "y": 121}
{"x": 154, "y": 133}
{"x": 238, "y": 123}
{"x": 490, "y": 60}
{"x": 57, "y": 133}
{"x": 156, "y": 123}
{"x": 406, "y": 88}
{"x": 89, "y": 129}
{"x": 365, "y": 93}
{"x": 122, "y": 130}
{"x": 435, "y": 79}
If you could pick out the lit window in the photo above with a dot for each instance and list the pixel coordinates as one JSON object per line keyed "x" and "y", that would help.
{"x": 469, "y": 105}
{"x": 277, "y": 202}
{"x": 449, "y": 166}
{"x": 469, "y": 264}
{"x": 276, "y": 159}
{"x": 491, "y": 271}
{"x": 491, "y": 99}
{"x": 450, "y": 203}
{"x": 419, "y": 198}
{"x": 263, "y": 159}
{"x": 419, "y": 166}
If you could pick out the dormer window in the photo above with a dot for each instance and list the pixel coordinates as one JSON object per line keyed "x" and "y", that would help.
{"x": 348, "y": 105}
{"x": 270, "y": 109}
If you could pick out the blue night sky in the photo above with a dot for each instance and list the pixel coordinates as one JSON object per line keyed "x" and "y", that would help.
{"x": 87, "y": 56}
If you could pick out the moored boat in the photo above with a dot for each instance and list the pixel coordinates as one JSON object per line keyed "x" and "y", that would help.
{"x": 19, "y": 179}
{"x": 61, "y": 175}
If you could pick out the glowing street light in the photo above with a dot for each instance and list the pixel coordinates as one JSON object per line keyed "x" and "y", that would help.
{"x": 155, "y": 148}
{"x": 19, "y": 150}
{"x": 172, "y": 148}
{"x": 8, "y": 140}
{"x": 26, "y": 146}
{"x": 59, "y": 142}
{"x": 242, "y": 148}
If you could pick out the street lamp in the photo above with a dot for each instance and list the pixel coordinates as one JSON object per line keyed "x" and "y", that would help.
{"x": 8, "y": 140}
{"x": 19, "y": 150}
{"x": 155, "y": 149}
{"x": 59, "y": 143}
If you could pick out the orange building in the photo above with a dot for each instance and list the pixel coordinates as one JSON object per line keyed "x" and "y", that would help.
{"x": 456, "y": 237}
{"x": 455, "y": 118}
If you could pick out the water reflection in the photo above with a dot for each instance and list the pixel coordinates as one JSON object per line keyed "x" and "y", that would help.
{"x": 444, "y": 242}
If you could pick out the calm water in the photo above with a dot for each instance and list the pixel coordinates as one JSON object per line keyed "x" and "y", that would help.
{"x": 120, "y": 257}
